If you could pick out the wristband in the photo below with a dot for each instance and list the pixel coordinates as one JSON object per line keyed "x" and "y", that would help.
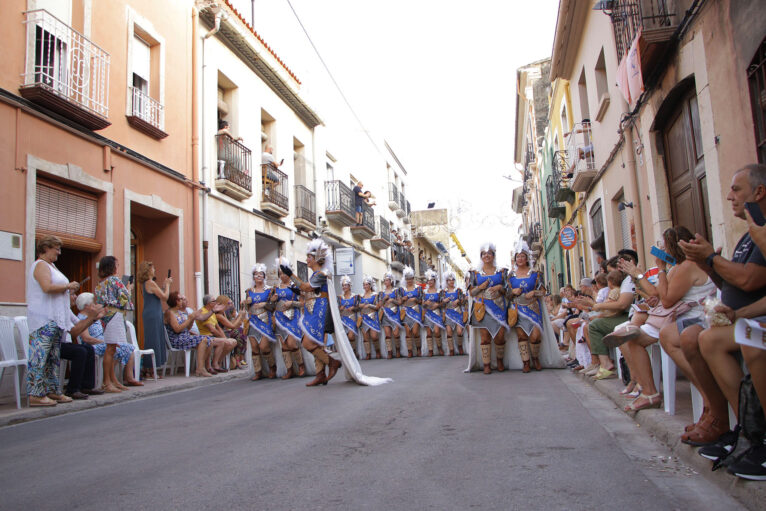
{"x": 710, "y": 258}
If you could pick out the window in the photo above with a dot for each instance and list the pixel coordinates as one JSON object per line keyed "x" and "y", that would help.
{"x": 602, "y": 86}
{"x": 582, "y": 87}
{"x": 625, "y": 227}
{"x": 146, "y": 91}
{"x": 228, "y": 268}
{"x": 756, "y": 75}
{"x": 597, "y": 228}
{"x": 564, "y": 119}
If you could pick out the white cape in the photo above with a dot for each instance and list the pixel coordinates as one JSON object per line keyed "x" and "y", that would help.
{"x": 346, "y": 352}
{"x": 550, "y": 356}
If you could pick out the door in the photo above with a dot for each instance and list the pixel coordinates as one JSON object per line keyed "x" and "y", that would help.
{"x": 685, "y": 168}
{"x": 136, "y": 255}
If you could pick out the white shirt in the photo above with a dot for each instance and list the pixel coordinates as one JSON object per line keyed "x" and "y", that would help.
{"x": 603, "y": 293}
{"x": 193, "y": 329}
{"x": 627, "y": 286}
{"x": 43, "y": 307}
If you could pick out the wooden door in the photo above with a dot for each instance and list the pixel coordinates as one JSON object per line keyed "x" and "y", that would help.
{"x": 136, "y": 256}
{"x": 685, "y": 168}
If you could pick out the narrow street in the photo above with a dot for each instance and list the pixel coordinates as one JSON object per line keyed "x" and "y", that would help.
{"x": 434, "y": 439}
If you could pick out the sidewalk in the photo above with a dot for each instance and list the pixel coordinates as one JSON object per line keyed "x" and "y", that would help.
{"x": 9, "y": 414}
{"x": 668, "y": 429}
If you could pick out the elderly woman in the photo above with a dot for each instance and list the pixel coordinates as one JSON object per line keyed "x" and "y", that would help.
{"x": 368, "y": 310}
{"x": 178, "y": 324}
{"x": 454, "y": 307}
{"x": 348, "y": 304}
{"x": 389, "y": 315}
{"x": 116, "y": 298}
{"x": 526, "y": 289}
{"x": 49, "y": 318}
{"x": 434, "y": 323}
{"x": 152, "y": 316}
{"x": 412, "y": 296}
{"x": 260, "y": 331}
{"x": 487, "y": 285}
{"x": 124, "y": 352}
{"x": 286, "y": 321}
{"x": 231, "y": 322}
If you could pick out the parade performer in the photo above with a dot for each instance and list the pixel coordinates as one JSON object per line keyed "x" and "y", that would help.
{"x": 526, "y": 291}
{"x": 413, "y": 311}
{"x": 286, "y": 319}
{"x": 260, "y": 331}
{"x": 434, "y": 322}
{"x": 454, "y": 302}
{"x": 486, "y": 285}
{"x": 389, "y": 315}
{"x": 369, "y": 307}
{"x": 348, "y": 306}
{"x": 321, "y": 314}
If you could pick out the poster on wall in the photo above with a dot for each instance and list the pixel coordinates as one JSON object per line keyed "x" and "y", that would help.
{"x": 344, "y": 261}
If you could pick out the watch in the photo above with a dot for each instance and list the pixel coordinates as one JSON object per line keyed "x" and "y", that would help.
{"x": 710, "y": 258}
{"x": 640, "y": 276}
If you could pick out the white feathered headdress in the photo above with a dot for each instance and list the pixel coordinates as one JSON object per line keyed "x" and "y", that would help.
{"x": 322, "y": 254}
{"x": 408, "y": 273}
{"x": 345, "y": 279}
{"x": 259, "y": 268}
{"x": 390, "y": 276}
{"x": 487, "y": 247}
{"x": 369, "y": 280}
{"x": 282, "y": 261}
{"x": 430, "y": 275}
{"x": 449, "y": 274}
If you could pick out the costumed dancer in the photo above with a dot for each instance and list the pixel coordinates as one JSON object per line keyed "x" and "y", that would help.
{"x": 286, "y": 321}
{"x": 321, "y": 315}
{"x": 434, "y": 322}
{"x": 526, "y": 289}
{"x": 389, "y": 315}
{"x": 454, "y": 312}
{"x": 369, "y": 307}
{"x": 260, "y": 332}
{"x": 486, "y": 284}
{"x": 413, "y": 312}
{"x": 348, "y": 306}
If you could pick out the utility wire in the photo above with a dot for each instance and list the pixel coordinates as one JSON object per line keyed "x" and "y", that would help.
{"x": 335, "y": 82}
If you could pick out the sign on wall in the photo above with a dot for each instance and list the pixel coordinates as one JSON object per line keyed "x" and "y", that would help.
{"x": 344, "y": 261}
{"x": 567, "y": 237}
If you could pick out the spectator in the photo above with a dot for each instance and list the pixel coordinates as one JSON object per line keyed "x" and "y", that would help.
{"x": 268, "y": 157}
{"x": 152, "y": 316}
{"x": 49, "y": 319}
{"x": 224, "y": 129}
{"x": 113, "y": 294}
{"x": 360, "y": 198}
{"x": 231, "y": 321}
{"x": 178, "y": 323}
{"x": 742, "y": 281}
{"x": 95, "y": 339}
{"x": 208, "y": 326}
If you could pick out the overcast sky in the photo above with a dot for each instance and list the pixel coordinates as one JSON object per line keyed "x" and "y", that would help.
{"x": 437, "y": 79}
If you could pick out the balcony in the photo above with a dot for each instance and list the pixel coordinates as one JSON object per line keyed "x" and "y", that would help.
{"x": 555, "y": 210}
{"x": 401, "y": 209}
{"x": 305, "y": 208}
{"x": 655, "y": 19}
{"x": 401, "y": 257}
{"x": 367, "y": 230}
{"x": 382, "y": 238}
{"x": 65, "y": 72}
{"x": 580, "y": 161}
{"x": 535, "y": 237}
{"x": 406, "y": 218}
{"x": 234, "y": 171}
{"x": 561, "y": 178}
{"x": 393, "y": 197}
{"x": 146, "y": 114}
{"x": 340, "y": 203}
{"x": 274, "y": 195}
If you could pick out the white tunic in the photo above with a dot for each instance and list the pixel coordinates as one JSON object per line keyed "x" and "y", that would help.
{"x": 43, "y": 307}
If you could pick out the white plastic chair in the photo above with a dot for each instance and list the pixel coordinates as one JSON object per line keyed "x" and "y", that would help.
{"x": 10, "y": 356}
{"x": 23, "y": 328}
{"x": 172, "y": 352}
{"x": 138, "y": 353}
{"x": 62, "y": 368}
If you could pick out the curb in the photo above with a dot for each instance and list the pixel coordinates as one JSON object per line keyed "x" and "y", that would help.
{"x": 27, "y": 414}
{"x": 667, "y": 429}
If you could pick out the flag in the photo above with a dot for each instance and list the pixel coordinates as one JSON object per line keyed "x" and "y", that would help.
{"x": 635, "y": 79}
{"x": 622, "y": 79}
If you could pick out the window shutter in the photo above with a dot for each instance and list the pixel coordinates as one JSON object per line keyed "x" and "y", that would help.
{"x": 141, "y": 58}
{"x": 65, "y": 212}
{"x": 627, "y": 241}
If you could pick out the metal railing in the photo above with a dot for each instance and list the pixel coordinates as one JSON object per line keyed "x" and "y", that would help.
{"x": 67, "y": 63}
{"x": 147, "y": 109}
{"x": 579, "y": 153}
{"x": 338, "y": 197}
{"x": 399, "y": 253}
{"x": 630, "y": 15}
{"x": 407, "y": 209}
{"x": 393, "y": 193}
{"x": 383, "y": 230}
{"x": 551, "y": 187}
{"x": 368, "y": 217}
{"x": 234, "y": 160}
{"x": 228, "y": 268}
{"x": 275, "y": 184}
{"x": 402, "y": 202}
{"x": 305, "y": 204}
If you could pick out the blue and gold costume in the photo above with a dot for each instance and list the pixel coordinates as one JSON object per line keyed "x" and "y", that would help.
{"x": 453, "y": 312}
{"x": 286, "y": 321}
{"x": 433, "y": 318}
{"x": 390, "y": 316}
{"x": 369, "y": 319}
{"x": 528, "y": 310}
{"x": 495, "y": 318}
{"x": 347, "y": 316}
{"x": 316, "y": 309}
{"x": 413, "y": 315}
{"x": 260, "y": 319}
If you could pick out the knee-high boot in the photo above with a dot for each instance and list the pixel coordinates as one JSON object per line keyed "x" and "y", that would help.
{"x": 409, "y": 347}
{"x": 451, "y": 345}
{"x": 321, "y": 359}
{"x": 286, "y": 356}
{"x": 272, "y": 363}
{"x": 524, "y": 352}
{"x": 500, "y": 354}
{"x": 298, "y": 359}
{"x": 486, "y": 357}
{"x": 430, "y": 344}
{"x": 534, "y": 347}
{"x": 367, "y": 350}
{"x": 256, "y": 357}
{"x": 389, "y": 348}
{"x": 438, "y": 343}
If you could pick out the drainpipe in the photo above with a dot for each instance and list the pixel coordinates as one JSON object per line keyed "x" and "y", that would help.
{"x": 195, "y": 163}
{"x": 204, "y": 172}
{"x": 636, "y": 196}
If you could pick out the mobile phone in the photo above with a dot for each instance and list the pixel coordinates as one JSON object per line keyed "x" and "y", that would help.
{"x": 127, "y": 279}
{"x": 83, "y": 281}
{"x": 663, "y": 256}
{"x": 168, "y": 272}
{"x": 755, "y": 211}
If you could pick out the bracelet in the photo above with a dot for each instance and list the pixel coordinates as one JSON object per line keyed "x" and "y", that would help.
{"x": 709, "y": 259}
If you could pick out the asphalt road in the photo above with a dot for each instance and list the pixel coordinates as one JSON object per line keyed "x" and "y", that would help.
{"x": 434, "y": 439}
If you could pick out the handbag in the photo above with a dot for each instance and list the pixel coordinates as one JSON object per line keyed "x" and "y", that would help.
{"x": 479, "y": 309}
{"x": 513, "y": 315}
{"x": 660, "y": 317}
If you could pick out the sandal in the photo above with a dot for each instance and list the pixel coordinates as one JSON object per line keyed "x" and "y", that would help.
{"x": 59, "y": 398}
{"x": 629, "y": 388}
{"x": 41, "y": 401}
{"x": 652, "y": 401}
{"x": 605, "y": 374}
{"x": 707, "y": 431}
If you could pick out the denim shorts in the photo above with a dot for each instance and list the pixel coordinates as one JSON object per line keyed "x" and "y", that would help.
{"x": 359, "y": 209}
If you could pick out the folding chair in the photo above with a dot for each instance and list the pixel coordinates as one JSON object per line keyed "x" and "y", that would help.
{"x": 10, "y": 356}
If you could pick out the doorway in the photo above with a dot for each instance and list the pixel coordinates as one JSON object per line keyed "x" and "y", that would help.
{"x": 267, "y": 250}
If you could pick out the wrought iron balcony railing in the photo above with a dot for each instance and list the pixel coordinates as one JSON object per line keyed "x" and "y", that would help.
{"x": 339, "y": 205}
{"x": 580, "y": 162}
{"x": 655, "y": 18}
{"x": 146, "y": 114}
{"x": 305, "y": 205}
{"x": 234, "y": 160}
{"x": 65, "y": 71}
{"x": 393, "y": 197}
{"x": 275, "y": 194}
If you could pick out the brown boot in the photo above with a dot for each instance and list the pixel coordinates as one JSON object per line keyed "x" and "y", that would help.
{"x": 439, "y": 346}
{"x": 460, "y": 349}
{"x": 298, "y": 359}
{"x": 286, "y": 356}
{"x": 486, "y": 358}
{"x": 536, "y": 364}
{"x": 451, "y": 346}
{"x": 534, "y": 347}
{"x": 319, "y": 363}
{"x": 334, "y": 366}
{"x": 389, "y": 348}
{"x": 430, "y": 345}
{"x": 525, "y": 368}
{"x": 524, "y": 352}
{"x": 500, "y": 354}
{"x": 256, "y": 357}
{"x": 409, "y": 347}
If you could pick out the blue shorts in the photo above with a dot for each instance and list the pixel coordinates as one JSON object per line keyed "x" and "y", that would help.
{"x": 359, "y": 209}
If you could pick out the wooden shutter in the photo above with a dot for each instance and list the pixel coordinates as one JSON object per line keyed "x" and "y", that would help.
{"x": 70, "y": 215}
